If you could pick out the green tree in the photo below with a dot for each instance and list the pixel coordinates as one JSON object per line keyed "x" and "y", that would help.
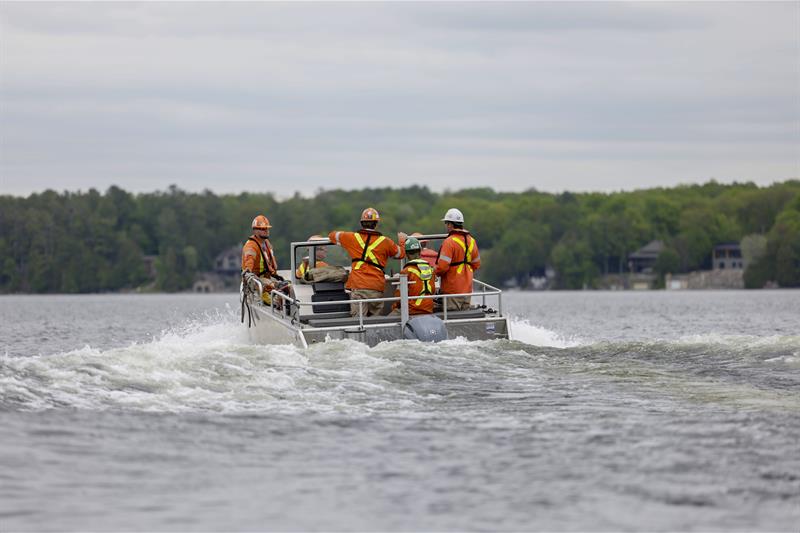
{"x": 571, "y": 258}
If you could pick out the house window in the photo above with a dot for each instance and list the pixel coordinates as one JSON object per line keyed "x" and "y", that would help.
{"x": 722, "y": 265}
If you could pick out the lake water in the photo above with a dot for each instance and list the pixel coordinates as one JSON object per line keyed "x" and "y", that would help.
{"x": 655, "y": 411}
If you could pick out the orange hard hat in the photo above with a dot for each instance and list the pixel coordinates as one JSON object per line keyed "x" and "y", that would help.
{"x": 261, "y": 222}
{"x": 418, "y": 234}
{"x": 317, "y": 238}
{"x": 369, "y": 214}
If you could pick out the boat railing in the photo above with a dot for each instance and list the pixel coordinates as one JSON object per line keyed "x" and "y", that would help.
{"x": 312, "y": 257}
{"x": 288, "y": 308}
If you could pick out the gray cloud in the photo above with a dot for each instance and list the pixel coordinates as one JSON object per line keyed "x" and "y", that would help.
{"x": 298, "y": 96}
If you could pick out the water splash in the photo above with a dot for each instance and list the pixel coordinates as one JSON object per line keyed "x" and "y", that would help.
{"x": 209, "y": 365}
{"x": 522, "y": 330}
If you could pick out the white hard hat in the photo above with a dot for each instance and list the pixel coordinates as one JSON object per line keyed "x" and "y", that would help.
{"x": 453, "y": 215}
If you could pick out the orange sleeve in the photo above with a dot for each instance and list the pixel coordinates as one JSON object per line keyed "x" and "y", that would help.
{"x": 250, "y": 257}
{"x": 344, "y": 239}
{"x": 393, "y": 251}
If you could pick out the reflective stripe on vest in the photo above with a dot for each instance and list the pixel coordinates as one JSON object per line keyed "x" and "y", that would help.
{"x": 302, "y": 269}
{"x": 425, "y": 273}
{"x": 367, "y": 252}
{"x": 467, "y": 253}
{"x": 264, "y": 263}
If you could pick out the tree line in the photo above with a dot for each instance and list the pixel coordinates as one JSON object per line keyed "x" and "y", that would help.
{"x": 78, "y": 242}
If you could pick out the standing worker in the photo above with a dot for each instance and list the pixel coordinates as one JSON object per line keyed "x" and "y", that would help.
{"x": 369, "y": 252}
{"x": 258, "y": 259}
{"x": 421, "y": 281}
{"x": 458, "y": 258}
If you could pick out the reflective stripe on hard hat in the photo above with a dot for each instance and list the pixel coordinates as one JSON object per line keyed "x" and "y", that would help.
{"x": 367, "y": 249}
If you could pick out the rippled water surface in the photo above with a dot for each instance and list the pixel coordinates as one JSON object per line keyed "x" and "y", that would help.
{"x": 607, "y": 411}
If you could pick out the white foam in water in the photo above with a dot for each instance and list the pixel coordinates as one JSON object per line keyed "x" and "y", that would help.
{"x": 740, "y": 342}
{"x": 210, "y": 365}
{"x": 522, "y": 330}
{"x": 206, "y": 365}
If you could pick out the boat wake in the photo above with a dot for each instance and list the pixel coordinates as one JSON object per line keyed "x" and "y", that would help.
{"x": 210, "y": 366}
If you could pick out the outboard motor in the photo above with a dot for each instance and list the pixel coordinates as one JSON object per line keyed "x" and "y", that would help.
{"x": 426, "y": 328}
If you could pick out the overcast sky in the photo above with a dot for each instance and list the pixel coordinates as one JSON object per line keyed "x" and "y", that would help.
{"x": 297, "y": 97}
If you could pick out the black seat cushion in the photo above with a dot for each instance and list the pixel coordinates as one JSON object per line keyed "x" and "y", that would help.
{"x": 328, "y": 286}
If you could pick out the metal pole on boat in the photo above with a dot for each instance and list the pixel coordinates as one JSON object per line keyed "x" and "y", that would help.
{"x": 403, "y": 302}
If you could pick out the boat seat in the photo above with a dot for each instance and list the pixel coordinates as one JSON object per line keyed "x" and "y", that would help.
{"x": 330, "y": 292}
{"x": 328, "y": 286}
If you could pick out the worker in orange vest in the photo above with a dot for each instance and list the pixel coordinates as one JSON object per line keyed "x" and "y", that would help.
{"x": 458, "y": 258}
{"x": 421, "y": 281}
{"x": 320, "y": 252}
{"x": 426, "y": 253}
{"x": 369, "y": 251}
{"x": 258, "y": 259}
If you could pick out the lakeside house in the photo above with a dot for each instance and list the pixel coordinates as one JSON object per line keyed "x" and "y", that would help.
{"x": 728, "y": 266}
{"x": 728, "y": 256}
{"x": 643, "y": 260}
{"x": 226, "y": 274}
{"x": 229, "y": 261}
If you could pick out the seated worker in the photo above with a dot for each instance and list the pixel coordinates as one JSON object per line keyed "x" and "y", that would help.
{"x": 258, "y": 260}
{"x": 320, "y": 253}
{"x": 458, "y": 257}
{"x": 421, "y": 281}
{"x": 426, "y": 253}
{"x": 369, "y": 252}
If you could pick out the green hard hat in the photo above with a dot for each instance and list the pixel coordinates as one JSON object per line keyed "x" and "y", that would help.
{"x": 412, "y": 245}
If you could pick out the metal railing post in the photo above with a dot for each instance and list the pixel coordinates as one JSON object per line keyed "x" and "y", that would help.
{"x": 403, "y": 302}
